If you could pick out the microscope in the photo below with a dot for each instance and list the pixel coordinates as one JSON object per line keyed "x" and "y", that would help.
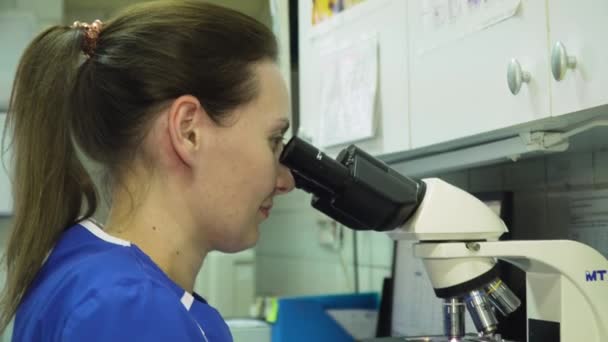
{"x": 457, "y": 240}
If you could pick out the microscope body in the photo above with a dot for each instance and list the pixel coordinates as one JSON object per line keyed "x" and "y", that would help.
{"x": 566, "y": 281}
{"x": 566, "y": 286}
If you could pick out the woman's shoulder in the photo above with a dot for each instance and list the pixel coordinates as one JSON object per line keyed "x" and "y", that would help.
{"x": 120, "y": 309}
{"x": 90, "y": 258}
{"x": 80, "y": 266}
{"x": 129, "y": 311}
{"x": 89, "y": 285}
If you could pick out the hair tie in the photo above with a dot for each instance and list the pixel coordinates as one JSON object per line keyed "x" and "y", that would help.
{"x": 91, "y": 33}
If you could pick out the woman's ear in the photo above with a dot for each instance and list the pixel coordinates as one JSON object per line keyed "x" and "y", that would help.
{"x": 187, "y": 119}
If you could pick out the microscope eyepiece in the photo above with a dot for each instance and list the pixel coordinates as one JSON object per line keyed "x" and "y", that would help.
{"x": 355, "y": 189}
{"x": 314, "y": 168}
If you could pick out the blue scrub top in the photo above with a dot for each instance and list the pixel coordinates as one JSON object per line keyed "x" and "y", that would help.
{"x": 96, "y": 287}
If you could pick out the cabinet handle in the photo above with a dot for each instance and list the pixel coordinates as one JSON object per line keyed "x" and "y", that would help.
{"x": 560, "y": 61}
{"x": 516, "y": 76}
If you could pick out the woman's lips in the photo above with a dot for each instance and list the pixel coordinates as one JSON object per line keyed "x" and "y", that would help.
{"x": 265, "y": 211}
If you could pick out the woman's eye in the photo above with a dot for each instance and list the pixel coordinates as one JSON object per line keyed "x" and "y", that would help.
{"x": 278, "y": 143}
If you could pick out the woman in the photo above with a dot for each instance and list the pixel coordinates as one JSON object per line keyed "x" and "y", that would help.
{"x": 183, "y": 104}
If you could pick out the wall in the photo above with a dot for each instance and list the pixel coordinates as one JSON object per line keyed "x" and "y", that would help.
{"x": 291, "y": 261}
{"x": 542, "y": 189}
{"x": 278, "y": 11}
{"x": 7, "y": 4}
{"x": 49, "y": 12}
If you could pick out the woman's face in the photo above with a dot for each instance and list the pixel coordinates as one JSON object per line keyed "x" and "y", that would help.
{"x": 240, "y": 173}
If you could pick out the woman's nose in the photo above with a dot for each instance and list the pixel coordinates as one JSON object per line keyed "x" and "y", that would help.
{"x": 285, "y": 181}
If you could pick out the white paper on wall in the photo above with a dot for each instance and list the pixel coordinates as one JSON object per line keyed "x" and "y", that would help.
{"x": 347, "y": 17}
{"x": 449, "y": 20}
{"x": 589, "y": 218}
{"x": 349, "y": 83}
{"x": 359, "y": 323}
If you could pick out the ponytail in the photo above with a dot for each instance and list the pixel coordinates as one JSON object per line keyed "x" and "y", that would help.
{"x": 50, "y": 182}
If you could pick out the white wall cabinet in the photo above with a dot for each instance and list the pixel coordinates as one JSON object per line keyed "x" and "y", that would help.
{"x": 458, "y": 85}
{"x": 581, "y": 27}
{"x": 444, "y": 73}
{"x": 384, "y": 19}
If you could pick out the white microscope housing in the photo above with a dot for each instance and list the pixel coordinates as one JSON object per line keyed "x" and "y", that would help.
{"x": 566, "y": 281}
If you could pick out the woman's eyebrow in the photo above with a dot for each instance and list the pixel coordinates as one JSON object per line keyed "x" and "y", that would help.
{"x": 283, "y": 125}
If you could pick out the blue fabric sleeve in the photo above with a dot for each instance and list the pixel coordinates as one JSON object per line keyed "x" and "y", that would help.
{"x": 133, "y": 312}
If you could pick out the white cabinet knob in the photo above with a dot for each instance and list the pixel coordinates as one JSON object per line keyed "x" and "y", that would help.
{"x": 516, "y": 76}
{"x": 560, "y": 61}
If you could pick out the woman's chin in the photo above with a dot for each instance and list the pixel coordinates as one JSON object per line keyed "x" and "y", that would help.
{"x": 243, "y": 242}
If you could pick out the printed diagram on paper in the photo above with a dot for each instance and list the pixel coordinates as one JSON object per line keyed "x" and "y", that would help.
{"x": 349, "y": 81}
{"x": 449, "y": 20}
{"x": 589, "y": 219}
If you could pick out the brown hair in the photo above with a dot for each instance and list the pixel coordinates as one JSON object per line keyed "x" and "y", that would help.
{"x": 147, "y": 55}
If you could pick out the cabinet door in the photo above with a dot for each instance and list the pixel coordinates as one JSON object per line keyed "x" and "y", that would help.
{"x": 581, "y": 26}
{"x": 459, "y": 55}
{"x": 385, "y": 20}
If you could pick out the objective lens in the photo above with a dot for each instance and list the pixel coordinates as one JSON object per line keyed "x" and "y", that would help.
{"x": 502, "y": 297}
{"x": 453, "y": 318}
{"x": 481, "y": 312}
